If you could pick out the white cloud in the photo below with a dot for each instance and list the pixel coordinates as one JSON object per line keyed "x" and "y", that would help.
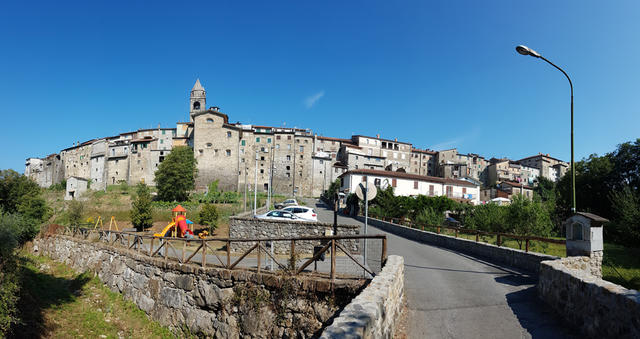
{"x": 447, "y": 144}
{"x": 310, "y": 101}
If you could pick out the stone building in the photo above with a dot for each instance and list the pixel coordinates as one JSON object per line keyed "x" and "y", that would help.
{"x": 550, "y": 167}
{"x": 423, "y": 162}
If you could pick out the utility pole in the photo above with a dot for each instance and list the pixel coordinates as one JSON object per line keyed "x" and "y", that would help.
{"x": 246, "y": 185}
{"x": 366, "y": 216}
{"x": 293, "y": 189}
{"x": 255, "y": 189}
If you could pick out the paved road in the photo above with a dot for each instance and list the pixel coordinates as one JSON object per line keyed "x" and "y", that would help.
{"x": 452, "y": 295}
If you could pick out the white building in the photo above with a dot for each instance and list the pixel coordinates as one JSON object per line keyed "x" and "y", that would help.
{"x": 406, "y": 184}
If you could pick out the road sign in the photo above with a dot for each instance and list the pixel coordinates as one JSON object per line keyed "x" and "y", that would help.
{"x": 371, "y": 192}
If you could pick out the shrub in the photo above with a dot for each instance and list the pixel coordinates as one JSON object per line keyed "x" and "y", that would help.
{"x": 430, "y": 216}
{"x": 141, "y": 216}
{"x": 209, "y": 216}
{"x": 76, "y": 210}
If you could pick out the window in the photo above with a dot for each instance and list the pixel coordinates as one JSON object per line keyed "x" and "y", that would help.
{"x": 288, "y": 137}
{"x": 277, "y": 146}
{"x": 415, "y": 185}
{"x": 228, "y": 152}
{"x": 209, "y": 121}
{"x": 394, "y": 182}
{"x": 301, "y": 156}
{"x": 301, "y": 148}
{"x": 288, "y": 146}
{"x": 464, "y": 190}
{"x": 364, "y": 179}
{"x": 288, "y": 158}
{"x": 261, "y": 171}
{"x": 200, "y": 151}
{"x": 268, "y": 140}
{"x": 228, "y": 134}
{"x": 261, "y": 158}
{"x": 261, "y": 149}
{"x": 242, "y": 151}
{"x": 288, "y": 168}
{"x": 321, "y": 162}
{"x": 243, "y": 143}
{"x": 277, "y": 137}
{"x": 376, "y": 182}
{"x": 196, "y": 105}
{"x": 257, "y": 139}
{"x": 209, "y": 145}
{"x": 161, "y": 141}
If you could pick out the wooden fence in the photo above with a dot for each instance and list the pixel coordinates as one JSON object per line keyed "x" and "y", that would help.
{"x": 499, "y": 236}
{"x": 183, "y": 254}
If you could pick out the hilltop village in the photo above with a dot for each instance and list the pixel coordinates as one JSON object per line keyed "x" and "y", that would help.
{"x": 292, "y": 161}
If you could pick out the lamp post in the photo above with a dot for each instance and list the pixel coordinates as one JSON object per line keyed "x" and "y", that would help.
{"x": 524, "y": 50}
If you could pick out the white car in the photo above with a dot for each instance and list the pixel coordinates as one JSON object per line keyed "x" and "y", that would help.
{"x": 278, "y": 215}
{"x": 302, "y": 212}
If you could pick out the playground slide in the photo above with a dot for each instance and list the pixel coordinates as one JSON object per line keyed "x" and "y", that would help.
{"x": 166, "y": 230}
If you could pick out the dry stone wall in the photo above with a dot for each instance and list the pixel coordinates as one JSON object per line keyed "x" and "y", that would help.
{"x": 211, "y": 302}
{"x": 600, "y": 309}
{"x": 253, "y": 228}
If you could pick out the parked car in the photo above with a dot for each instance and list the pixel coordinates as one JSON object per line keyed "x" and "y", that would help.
{"x": 278, "y": 215}
{"x": 288, "y": 202}
{"x": 449, "y": 221}
{"x": 302, "y": 212}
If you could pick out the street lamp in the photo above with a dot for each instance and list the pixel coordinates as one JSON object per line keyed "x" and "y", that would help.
{"x": 524, "y": 50}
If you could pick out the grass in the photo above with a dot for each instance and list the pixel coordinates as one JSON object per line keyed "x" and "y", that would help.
{"x": 621, "y": 265}
{"x": 59, "y": 302}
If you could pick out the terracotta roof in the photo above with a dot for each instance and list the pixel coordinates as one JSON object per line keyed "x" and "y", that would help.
{"x": 335, "y": 139}
{"x": 541, "y": 156}
{"x": 427, "y": 151}
{"x": 516, "y": 184}
{"x": 410, "y": 176}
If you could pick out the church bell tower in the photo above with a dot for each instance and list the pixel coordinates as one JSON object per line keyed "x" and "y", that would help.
{"x": 198, "y": 100}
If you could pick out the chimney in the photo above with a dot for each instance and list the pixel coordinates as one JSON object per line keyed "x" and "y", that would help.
{"x": 378, "y": 135}
{"x": 396, "y": 139}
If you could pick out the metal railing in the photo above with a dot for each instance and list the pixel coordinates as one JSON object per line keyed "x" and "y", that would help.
{"x": 166, "y": 248}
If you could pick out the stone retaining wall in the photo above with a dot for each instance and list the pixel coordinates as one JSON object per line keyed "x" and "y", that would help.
{"x": 600, "y": 309}
{"x": 528, "y": 261}
{"x": 375, "y": 311}
{"x": 208, "y": 301}
{"x": 263, "y": 228}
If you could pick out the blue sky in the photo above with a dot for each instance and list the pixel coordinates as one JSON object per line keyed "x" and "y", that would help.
{"x": 438, "y": 74}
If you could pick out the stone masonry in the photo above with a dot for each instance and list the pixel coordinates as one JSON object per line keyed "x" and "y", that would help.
{"x": 600, "y": 309}
{"x": 262, "y": 228}
{"x": 209, "y": 302}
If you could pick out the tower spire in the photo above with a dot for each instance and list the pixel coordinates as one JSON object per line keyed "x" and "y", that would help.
{"x": 198, "y": 99}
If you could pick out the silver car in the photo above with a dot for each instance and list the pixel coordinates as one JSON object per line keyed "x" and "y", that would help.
{"x": 288, "y": 202}
{"x": 278, "y": 215}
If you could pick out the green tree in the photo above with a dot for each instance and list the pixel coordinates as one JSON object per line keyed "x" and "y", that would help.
{"x": 75, "y": 212}
{"x": 141, "y": 208}
{"x": 526, "y": 217}
{"x": 175, "y": 176}
{"x": 19, "y": 194}
{"x": 209, "y": 216}
{"x": 625, "y": 227}
{"x": 487, "y": 218}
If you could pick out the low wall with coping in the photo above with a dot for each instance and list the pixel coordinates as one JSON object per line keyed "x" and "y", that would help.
{"x": 209, "y": 301}
{"x": 528, "y": 261}
{"x": 374, "y": 312}
{"x": 252, "y": 228}
{"x": 599, "y": 308}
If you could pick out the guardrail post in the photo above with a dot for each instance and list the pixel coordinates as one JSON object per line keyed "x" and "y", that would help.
{"x": 228, "y": 253}
{"x": 184, "y": 248}
{"x": 259, "y": 251}
{"x": 166, "y": 249}
{"x": 151, "y": 246}
{"x": 526, "y": 249}
{"x": 293, "y": 255}
{"x": 499, "y": 240}
{"x": 438, "y": 229}
{"x": 456, "y": 232}
{"x": 477, "y": 236}
{"x": 383, "y": 258}
{"x": 333, "y": 261}
{"x": 204, "y": 253}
